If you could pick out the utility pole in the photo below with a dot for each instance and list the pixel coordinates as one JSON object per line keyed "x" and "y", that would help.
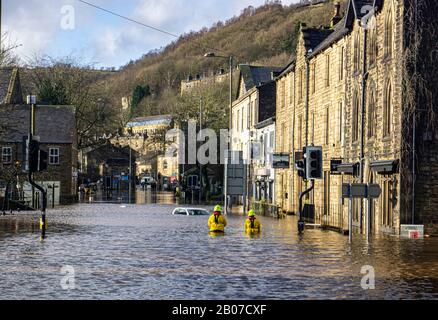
{"x": 200, "y": 164}
{"x": 31, "y": 100}
{"x": 1, "y": 44}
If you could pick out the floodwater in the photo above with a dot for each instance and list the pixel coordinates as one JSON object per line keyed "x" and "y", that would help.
{"x": 141, "y": 251}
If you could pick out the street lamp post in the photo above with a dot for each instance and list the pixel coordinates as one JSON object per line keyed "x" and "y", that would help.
{"x": 230, "y": 139}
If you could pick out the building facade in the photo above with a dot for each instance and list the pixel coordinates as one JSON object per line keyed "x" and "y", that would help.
{"x": 255, "y": 105}
{"x": 346, "y": 91}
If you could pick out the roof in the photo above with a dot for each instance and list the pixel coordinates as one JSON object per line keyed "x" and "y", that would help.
{"x": 150, "y": 121}
{"x": 254, "y": 76}
{"x": 290, "y": 67}
{"x": 54, "y": 124}
{"x": 314, "y": 36}
{"x": 356, "y": 10}
{"x": 10, "y": 89}
{"x": 339, "y": 31}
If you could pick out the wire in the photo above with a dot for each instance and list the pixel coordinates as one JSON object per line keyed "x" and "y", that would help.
{"x": 148, "y": 26}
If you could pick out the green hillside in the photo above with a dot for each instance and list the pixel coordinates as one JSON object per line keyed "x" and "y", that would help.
{"x": 264, "y": 35}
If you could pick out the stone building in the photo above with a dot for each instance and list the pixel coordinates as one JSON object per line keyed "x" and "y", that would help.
{"x": 346, "y": 91}
{"x": 55, "y": 127}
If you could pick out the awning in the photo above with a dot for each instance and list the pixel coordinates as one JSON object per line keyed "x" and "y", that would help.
{"x": 385, "y": 167}
{"x": 347, "y": 168}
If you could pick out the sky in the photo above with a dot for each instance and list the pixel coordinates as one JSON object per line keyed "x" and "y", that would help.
{"x": 68, "y": 27}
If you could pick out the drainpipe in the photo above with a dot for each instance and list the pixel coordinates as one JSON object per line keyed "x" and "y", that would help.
{"x": 414, "y": 119}
{"x": 307, "y": 98}
{"x": 362, "y": 137}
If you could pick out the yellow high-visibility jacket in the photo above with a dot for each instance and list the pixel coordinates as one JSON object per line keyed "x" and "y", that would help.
{"x": 217, "y": 225}
{"x": 257, "y": 227}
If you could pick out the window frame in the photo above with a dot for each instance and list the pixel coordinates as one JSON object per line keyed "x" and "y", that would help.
{"x": 54, "y": 156}
{"x": 4, "y": 155}
{"x": 387, "y": 110}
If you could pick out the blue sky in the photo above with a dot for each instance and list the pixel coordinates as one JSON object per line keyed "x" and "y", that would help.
{"x": 104, "y": 39}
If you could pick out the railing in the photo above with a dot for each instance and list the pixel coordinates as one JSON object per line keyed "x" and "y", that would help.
{"x": 266, "y": 209}
{"x": 331, "y": 217}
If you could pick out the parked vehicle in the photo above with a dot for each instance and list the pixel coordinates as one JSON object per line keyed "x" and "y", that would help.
{"x": 147, "y": 181}
{"x": 191, "y": 212}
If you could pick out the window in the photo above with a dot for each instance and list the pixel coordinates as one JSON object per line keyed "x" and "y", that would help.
{"x": 341, "y": 63}
{"x": 54, "y": 156}
{"x": 300, "y": 132}
{"x": 341, "y": 122}
{"x": 301, "y": 85}
{"x": 7, "y": 155}
{"x": 355, "y": 118}
{"x": 327, "y": 70}
{"x": 165, "y": 166}
{"x": 388, "y": 34}
{"x": 283, "y": 137}
{"x": 291, "y": 90}
{"x": 387, "y": 111}
{"x": 372, "y": 45}
{"x": 327, "y": 126}
{"x": 314, "y": 77}
{"x": 387, "y": 203}
{"x": 256, "y": 110}
{"x": 356, "y": 55}
{"x": 371, "y": 114}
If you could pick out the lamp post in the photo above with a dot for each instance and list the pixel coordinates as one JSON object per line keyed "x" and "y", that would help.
{"x": 229, "y": 142}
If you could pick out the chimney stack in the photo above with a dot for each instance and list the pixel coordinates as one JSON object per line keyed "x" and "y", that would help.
{"x": 337, "y": 14}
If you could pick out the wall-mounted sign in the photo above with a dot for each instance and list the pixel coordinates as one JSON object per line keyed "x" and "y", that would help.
{"x": 281, "y": 161}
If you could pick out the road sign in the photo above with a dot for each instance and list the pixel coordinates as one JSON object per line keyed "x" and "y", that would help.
{"x": 361, "y": 191}
{"x": 281, "y": 161}
{"x": 374, "y": 191}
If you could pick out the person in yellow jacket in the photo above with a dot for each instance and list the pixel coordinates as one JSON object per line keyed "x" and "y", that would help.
{"x": 252, "y": 225}
{"x": 217, "y": 221}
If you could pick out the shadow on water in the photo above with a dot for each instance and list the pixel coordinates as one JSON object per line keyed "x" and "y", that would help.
{"x": 127, "y": 251}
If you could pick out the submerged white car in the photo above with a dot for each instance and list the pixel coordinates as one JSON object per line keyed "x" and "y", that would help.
{"x": 191, "y": 212}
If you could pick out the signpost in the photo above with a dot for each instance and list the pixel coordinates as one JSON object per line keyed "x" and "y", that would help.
{"x": 360, "y": 191}
{"x": 281, "y": 161}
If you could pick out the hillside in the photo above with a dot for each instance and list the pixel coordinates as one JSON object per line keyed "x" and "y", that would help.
{"x": 264, "y": 35}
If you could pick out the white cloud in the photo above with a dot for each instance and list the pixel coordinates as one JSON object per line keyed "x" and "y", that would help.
{"x": 31, "y": 24}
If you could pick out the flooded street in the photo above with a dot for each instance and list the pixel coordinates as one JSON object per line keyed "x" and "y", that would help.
{"x": 143, "y": 252}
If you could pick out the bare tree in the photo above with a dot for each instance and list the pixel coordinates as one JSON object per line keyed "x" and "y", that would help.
{"x": 7, "y": 55}
{"x": 66, "y": 81}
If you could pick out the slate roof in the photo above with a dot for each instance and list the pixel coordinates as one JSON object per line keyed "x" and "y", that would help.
{"x": 314, "y": 36}
{"x": 10, "y": 88}
{"x": 339, "y": 31}
{"x": 290, "y": 67}
{"x": 254, "y": 76}
{"x": 54, "y": 124}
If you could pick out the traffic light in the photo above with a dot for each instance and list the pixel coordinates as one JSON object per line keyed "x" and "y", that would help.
{"x": 300, "y": 165}
{"x": 33, "y": 155}
{"x": 313, "y": 163}
{"x": 37, "y": 159}
{"x": 43, "y": 160}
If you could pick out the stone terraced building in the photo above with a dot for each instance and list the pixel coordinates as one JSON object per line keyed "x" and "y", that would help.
{"x": 355, "y": 88}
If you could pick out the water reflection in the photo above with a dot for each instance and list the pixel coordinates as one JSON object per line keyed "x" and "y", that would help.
{"x": 143, "y": 252}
